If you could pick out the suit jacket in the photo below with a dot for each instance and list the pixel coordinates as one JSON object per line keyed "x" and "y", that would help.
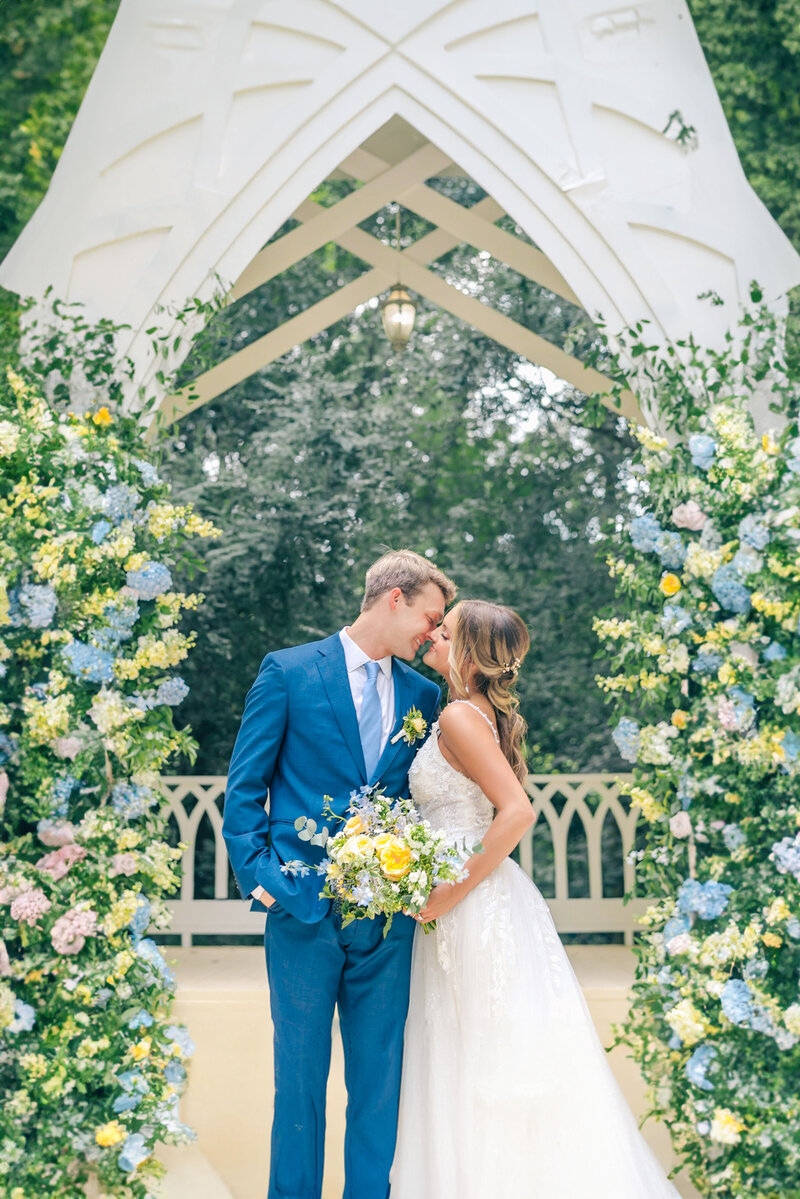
{"x": 298, "y": 742}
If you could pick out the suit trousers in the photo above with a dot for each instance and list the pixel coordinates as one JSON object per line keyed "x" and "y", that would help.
{"x": 312, "y": 968}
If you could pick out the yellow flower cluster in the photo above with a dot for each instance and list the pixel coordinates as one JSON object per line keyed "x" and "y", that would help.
{"x": 647, "y": 438}
{"x": 651, "y": 808}
{"x": 619, "y": 568}
{"x": 725, "y": 1127}
{"x": 47, "y": 719}
{"x": 612, "y": 630}
{"x": 777, "y": 911}
{"x": 729, "y": 945}
{"x": 689, "y": 1023}
{"x": 784, "y": 570}
{"x": 154, "y": 651}
{"x": 763, "y": 749}
{"x": 700, "y": 563}
{"x": 110, "y": 1134}
{"x": 120, "y": 913}
{"x": 776, "y": 608}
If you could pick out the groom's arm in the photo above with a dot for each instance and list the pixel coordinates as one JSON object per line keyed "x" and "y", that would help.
{"x": 245, "y": 824}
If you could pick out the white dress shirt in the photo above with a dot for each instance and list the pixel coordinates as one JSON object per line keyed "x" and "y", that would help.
{"x": 355, "y": 659}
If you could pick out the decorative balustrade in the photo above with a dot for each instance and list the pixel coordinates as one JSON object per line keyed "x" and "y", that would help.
{"x": 576, "y": 852}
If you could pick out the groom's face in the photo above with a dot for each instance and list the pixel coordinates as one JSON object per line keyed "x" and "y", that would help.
{"x": 412, "y": 621}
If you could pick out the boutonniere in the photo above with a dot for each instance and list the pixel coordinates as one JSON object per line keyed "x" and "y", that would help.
{"x": 414, "y": 727}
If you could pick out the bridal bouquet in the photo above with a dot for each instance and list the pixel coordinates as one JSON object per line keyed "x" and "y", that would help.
{"x": 383, "y": 860}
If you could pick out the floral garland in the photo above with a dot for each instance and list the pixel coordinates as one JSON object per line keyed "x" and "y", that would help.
{"x": 708, "y": 711}
{"x": 91, "y": 1066}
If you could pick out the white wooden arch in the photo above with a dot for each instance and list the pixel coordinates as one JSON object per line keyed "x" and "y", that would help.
{"x": 207, "y": 125}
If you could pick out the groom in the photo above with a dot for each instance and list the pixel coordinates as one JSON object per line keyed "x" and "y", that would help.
{"x": 320, "y": 720}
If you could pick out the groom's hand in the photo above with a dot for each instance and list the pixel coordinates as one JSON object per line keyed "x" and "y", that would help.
{"x": 263, "y": 897}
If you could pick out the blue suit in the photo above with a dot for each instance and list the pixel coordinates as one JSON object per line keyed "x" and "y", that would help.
{"x": 299, "y": 741}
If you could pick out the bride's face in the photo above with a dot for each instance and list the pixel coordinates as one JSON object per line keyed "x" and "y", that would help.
{"x": 438, "y": 656}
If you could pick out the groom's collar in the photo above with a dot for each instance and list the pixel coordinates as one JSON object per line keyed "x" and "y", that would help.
{"x": 355, "y": 656}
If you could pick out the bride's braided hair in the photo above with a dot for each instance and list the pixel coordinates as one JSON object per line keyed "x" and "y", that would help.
{"x": 495, "y": 640}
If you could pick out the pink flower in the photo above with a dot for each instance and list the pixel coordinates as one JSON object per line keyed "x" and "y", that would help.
{"x": 728, "y": 715}
{"x": 689, "y": 516}
{"x": 122, "y": 863}
{"x": 3, "y": 789}
{"x": 29, "y": 906}
{"x": 680, "y": 824}
{"x": 56, "y": 832}
{"x": 67, "y": 747}
{"x": 70, "y": 931}
{"x": 740, "y": 650}
{"x": 58, "y": 863}
{"x": 680, "y": 944}
{"x": 5, "y": 964}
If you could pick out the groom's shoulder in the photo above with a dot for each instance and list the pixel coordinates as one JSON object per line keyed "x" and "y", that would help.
{"x": 424, "y": 686}
{"x": 299, "y": 655}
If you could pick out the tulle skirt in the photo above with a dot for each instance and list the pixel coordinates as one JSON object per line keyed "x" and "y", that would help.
{"x": 506, "y": 1091}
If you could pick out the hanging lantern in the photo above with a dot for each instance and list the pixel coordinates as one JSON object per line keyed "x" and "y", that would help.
{"x": 398, "y": 313}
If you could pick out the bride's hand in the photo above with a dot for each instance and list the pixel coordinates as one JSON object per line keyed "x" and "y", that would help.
{"x": 440, "y": 900}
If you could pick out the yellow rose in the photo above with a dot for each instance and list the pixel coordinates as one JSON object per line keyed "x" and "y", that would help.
{"x": 359, "y": 846}
{"x": 395, "y": 859}
{"x": 381, "y": 841}
{"x": 772, "y": 940}
{"x": 354, "y": 825}
{"x": 110, "y": 1134}
{"x": 141, "y": 1049}
{"x": 670, "y": 585}
{"x": 102, "y": 416}
{"x": 679, "y": 719}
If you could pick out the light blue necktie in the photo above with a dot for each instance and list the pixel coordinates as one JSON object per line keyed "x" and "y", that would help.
{"x": 370, "y": 722}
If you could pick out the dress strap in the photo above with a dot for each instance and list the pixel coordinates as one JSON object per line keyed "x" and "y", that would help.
{"x": 480, "y": 713}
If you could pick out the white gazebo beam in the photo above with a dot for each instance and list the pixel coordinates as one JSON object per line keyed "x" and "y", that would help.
{"x": 331, "y": 223}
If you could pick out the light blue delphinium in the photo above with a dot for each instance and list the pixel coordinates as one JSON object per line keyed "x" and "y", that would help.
{"x": 88, "y": 662}
{"x": 174, "y": 1072}
{"x": 645, "y": 532}
{"x": 147, "y": 471}
{"x": 172, "y": 691}
{"x": 100, "y": 530}
{"x": 151, "y": 580}
{"x": 39, "y": 602}
{"x": 698, "y": 1065}
{"x": 737, "y": 1001}
{"x": 118, "y": 624}
{"x": 774, "y": 652}
{"x": 180, "y": 1035}
{"x": 24, "y": 1017}
{"x": 702, "y": 449}
{"x": 132, "y": 1080}
{"x": 729, "y": 593}
{"x": 674, "y": 619}
{"x": 133, "y": 1152}
{"x": 708, "y": 899}
{"x": 126, "y": 1102}
{"x": 142, "y": 1019}
{"x": 675, "y": 926}
{"x": 131, "y": 800}
{"x": 793, "y": 928}
{"x": 626, "y": 738}
{"x": 140, "y": 918}
{"x": 754, "y": 532}
{"x": 149, "y": 952}
{"x": 791, "y": 745}
{"x": 786, "y": 855}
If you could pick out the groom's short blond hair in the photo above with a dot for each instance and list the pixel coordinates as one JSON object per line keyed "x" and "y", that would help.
{"x": 408, "y": 571}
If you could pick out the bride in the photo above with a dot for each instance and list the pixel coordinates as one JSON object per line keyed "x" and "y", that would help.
{"x": 506, "y": 1090}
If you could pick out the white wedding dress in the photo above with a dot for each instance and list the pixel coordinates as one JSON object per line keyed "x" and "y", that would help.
{"x": 506, "y": 1091}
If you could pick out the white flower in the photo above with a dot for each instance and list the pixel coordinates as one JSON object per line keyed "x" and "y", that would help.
{"x": 680, "y": 824}
{"x": 689, "y": 516}
{"x": 9, "y": 438}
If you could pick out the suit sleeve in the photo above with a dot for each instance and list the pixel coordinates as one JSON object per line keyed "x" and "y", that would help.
{"x": 245, "y": 824}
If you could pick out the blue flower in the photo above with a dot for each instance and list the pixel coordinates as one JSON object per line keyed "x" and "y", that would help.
{"x": 89, "y": 663}
{"x": 733, "y": 837}
{"x": 118, "y": 626}
{"x": 774, "y": 652}
{"x": 126, "y": 1102}
{"x": 674, "y": 619}
{"x": 174, "y": 1072}
{"x": 24, "y": 1017}
{"x": 645, "y": 532}
{"x": 791, "y": 745}
{"x": 142, "y": 1019}
{"x": 708, "y": 899}
{"x": 132, "y": 1080}
{"x": 133, "y": 1152}
{"x": 180, "y": 1035}
{"x": 698, "y": 1065}
{"x": 746, "y": 561}
{"x": 149, "y": 952}
{"x": 754, "y": 533}
{"x": 150, "y": 580}
{"x": 141, "y": 917}
{"x": 731, "y": 595}
{"x": 147, "y": 471}
{"x": 737, "y": 1001}
{"x": 707, "y": 663}
{"x": 675, "y": 926}
{"x": 687, "y": 789}
{"x": 100, "y": 530}
{"x": 793, "y": 928}
{"x": 786, "y": 855}
{"x": 671, "y": 550}
{"x": 6, "y": 748}
{"x": 702, "y": 449}
{"x": 120, "y": 502}
{"x": 626, "y": 739}
{"x": 131, "y": 800}
{"x": 39, "y": 603}
{"x": 172, "y": 691}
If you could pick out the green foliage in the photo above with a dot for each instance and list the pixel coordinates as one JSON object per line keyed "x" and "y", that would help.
{"x": 706, "y": 642}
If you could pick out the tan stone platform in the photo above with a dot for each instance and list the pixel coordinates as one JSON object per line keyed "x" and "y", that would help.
{"x": 222, "y": 996}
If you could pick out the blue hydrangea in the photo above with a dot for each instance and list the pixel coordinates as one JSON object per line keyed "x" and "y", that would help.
{"x": 687, "y": 789}
{"x": 645, "y": 532}
{"x": 774, "y": 652}
{"x": 786, "y": 854}
{"x": 172, "y": 691}
{"x": 793, "y": 928}
{"x": 729, "y": 593}
{"x": 147, "y": 471}
{"x": 708, "y": 899}
{"x": 674, "y": 619}
{"x": 151, "y": 580}
{"x": 733, "y": 836}
{"x": 746, "y": 561}
{"x": 791, "y": 745}
{"x": 39, "y": 602}
{"x": 100, "y": 530}
{"x": 133, "y": 1152}
{"x": 743, "y": 706}
{"x": 675, "y": 926}
{"x": 671, "y": 550}
{"x": 702, "y": 449}
{"x": 698, "y": 1066}
{"x": 119, "y": 502}
{"x": 707, "y": 663}
{"x": 142, "y": 1019}
{"x": 118, "y": 624}
{"x": 180, "y": 1035}
{"x": 131, "y": 800}
{"x": 174, "y": 1072}
{"x": 626, "y": 737}
{"x": 754, "y": 533}
{"x": 141, "y": 917}
{"x": 6, "y": 748}
{"x": 737, "y": 1001}
{"x": 88, "y": 662}
{"x": 149, "y": 952}
{"x": 24, "y": 1017}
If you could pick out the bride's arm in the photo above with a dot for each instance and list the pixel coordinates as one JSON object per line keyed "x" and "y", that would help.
{"x": 468, "y": 739}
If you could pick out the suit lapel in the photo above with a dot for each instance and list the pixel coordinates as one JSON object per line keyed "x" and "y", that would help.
{"x": 333, "y": 671}
{"x": 403, "y": 700}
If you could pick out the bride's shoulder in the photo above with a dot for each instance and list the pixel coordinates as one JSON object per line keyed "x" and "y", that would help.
{"x": 460, "y": 721}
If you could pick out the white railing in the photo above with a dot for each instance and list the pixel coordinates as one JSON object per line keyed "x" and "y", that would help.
{"x": 558, "y": 799}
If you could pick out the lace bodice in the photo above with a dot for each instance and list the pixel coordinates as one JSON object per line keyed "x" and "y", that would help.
{"x": 445, "y": 797}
